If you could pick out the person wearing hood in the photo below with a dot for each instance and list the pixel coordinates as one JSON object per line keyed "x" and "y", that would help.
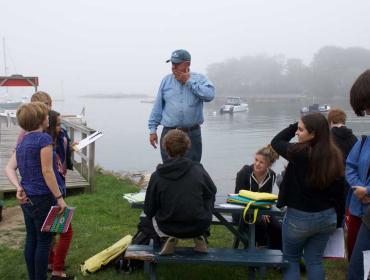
{"x": 180, "y": 197}
{"x": 343, "y": 137}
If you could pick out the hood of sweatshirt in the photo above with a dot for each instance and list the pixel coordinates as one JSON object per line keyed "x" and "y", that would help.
{"x": 342, "y": 132}
{"x": 174, "y": 169}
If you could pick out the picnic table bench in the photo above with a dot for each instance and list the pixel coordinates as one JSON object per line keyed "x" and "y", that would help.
{"x": 218, "y": 256}
{"x": 250, "y": 256}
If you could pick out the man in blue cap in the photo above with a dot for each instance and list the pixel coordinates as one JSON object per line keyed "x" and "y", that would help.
{"x": 179, "y": 104}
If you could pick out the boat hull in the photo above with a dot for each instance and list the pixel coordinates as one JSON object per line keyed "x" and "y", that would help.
{"x": 230, "y": 109}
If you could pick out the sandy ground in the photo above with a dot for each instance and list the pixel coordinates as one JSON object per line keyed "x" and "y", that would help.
{"x": 12, "y": 231}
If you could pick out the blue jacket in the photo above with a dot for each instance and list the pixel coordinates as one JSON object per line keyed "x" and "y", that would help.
{"x": 357, "y": 167}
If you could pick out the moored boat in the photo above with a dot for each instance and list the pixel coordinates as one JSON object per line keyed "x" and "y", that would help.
{"x": 234, "y": 104}
{"x": 315, "y": 108}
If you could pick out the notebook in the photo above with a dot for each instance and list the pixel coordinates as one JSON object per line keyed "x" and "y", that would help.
{"x": 135, "y": 197}
{"x": 58, "y": 223}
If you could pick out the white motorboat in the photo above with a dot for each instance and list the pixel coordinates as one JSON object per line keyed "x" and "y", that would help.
{"x": 234, "y": 104}
{"x": 315, "y": 108}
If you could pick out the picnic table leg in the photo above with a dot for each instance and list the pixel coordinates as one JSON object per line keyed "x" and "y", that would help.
{"x": 252, "y": 236}
{"x": 237, "y": 233}
{"x": 153, "y": 275}
{"x": 251, "y": 273}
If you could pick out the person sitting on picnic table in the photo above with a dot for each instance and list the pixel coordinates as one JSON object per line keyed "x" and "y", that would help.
{"x": 180, "y": 197}
{"x": 259, "y": 177}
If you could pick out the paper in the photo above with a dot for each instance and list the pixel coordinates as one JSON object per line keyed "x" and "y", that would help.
{"x": 88, "y": 140}
{"x": 135, "y": 197}
{"x": 58, "y": 223}
{"x": 335, "y": 246}
{"x": 366, "y": 264}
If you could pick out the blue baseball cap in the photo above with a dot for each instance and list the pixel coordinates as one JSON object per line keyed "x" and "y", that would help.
{"x": 179, "y": 56}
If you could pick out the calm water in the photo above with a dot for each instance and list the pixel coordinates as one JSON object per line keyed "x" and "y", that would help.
{"x": 229, "y": 142}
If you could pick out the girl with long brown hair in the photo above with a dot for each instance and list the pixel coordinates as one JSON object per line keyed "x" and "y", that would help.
{"x": 313, "y": 190}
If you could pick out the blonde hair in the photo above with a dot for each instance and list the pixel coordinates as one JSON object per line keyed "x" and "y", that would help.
{"x": 269, "y": 153}
{"x": 41, "y": 96}
{"x": 176, "y": 143}
{"x": 31, "y": 116}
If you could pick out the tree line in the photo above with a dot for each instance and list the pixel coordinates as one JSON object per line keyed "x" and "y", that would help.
{"x": 330, "y": 73}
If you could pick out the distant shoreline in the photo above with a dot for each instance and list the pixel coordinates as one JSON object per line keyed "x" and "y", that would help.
{"x": 115, "y": 95}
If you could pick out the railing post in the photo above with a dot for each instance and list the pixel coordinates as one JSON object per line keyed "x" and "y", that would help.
{"x": 91, "y": 167}
{"x": 84, "y": 170}
{"x": 1, "y": 120}
{"x": 72, "y": 137}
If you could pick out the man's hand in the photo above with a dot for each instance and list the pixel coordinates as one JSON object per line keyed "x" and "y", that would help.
{"x": 182, "y": 77}
{"x": 153, "y": 139}
{"x": 360, "y": 192}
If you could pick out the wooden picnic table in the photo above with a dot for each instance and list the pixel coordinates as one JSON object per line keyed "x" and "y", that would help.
{"x": 250, "y": 256}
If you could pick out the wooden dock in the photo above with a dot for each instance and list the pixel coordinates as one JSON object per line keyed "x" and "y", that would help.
{"x": 8, "y": 137}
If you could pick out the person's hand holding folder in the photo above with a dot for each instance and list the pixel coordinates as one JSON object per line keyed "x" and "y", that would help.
{"x": 62, "y": 205}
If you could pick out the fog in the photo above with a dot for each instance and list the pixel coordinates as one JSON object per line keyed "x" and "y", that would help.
{"x": 107, "y": 47}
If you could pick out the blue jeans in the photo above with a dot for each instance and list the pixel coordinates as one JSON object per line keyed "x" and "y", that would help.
{"x": 306, "y": 234}
{"x": 38, "y": 243}
{"x": 356, "y": 265}
{"x": 195, "y": 152}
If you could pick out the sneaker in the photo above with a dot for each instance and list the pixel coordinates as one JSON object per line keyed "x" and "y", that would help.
{"x": 200, "y": 244}
{"x": 168, "y": 248}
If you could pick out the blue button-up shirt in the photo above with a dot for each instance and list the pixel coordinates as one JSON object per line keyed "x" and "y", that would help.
{"x": 181, "y": 105}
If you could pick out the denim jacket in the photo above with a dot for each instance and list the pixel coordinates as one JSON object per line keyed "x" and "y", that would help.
{"x": 357, "y": 167}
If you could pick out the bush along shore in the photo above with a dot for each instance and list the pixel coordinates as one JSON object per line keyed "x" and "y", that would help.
{"x": 103, "y": 217}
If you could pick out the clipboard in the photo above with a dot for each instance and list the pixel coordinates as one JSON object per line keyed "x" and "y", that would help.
{"x": 88, "y": 140}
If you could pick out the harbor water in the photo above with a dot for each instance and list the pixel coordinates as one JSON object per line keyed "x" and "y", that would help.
{"x": 229, "y": 141}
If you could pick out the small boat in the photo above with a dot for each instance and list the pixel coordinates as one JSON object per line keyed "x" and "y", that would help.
{"x": 234, "y": 104}
{"x": 315, "y": 108}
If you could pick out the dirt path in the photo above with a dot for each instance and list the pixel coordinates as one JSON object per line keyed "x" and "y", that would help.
{"x": 12, "y": 231}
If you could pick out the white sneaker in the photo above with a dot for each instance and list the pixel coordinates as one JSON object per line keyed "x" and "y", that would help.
{"x": 168, "y": 248}
{"x": 200, "y": 244}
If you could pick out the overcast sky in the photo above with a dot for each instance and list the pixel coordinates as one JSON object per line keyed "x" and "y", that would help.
{"x": 120, "y": 46}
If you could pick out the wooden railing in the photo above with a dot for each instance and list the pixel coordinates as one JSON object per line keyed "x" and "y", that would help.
{"x": 87, "y": 154}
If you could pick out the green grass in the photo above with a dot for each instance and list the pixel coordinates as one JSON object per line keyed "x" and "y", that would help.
{"x": 103, "y": 217}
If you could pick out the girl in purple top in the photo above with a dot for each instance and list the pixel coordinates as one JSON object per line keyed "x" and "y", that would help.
{"x": 38, "y": 189}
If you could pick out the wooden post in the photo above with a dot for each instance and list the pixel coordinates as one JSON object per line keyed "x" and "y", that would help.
{"x": 84, "y": 170}
{"x": 91, "y": 167}
{"x": 72, "y": 137}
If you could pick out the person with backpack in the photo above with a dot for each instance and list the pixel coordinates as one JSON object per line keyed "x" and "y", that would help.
{"x": 313, "y": 189}
{"x": 357, "y": 174}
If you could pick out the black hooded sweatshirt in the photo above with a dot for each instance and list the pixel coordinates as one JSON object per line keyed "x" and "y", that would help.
{"x": 181, "y": 197}
{"x": 344, "y": 139}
